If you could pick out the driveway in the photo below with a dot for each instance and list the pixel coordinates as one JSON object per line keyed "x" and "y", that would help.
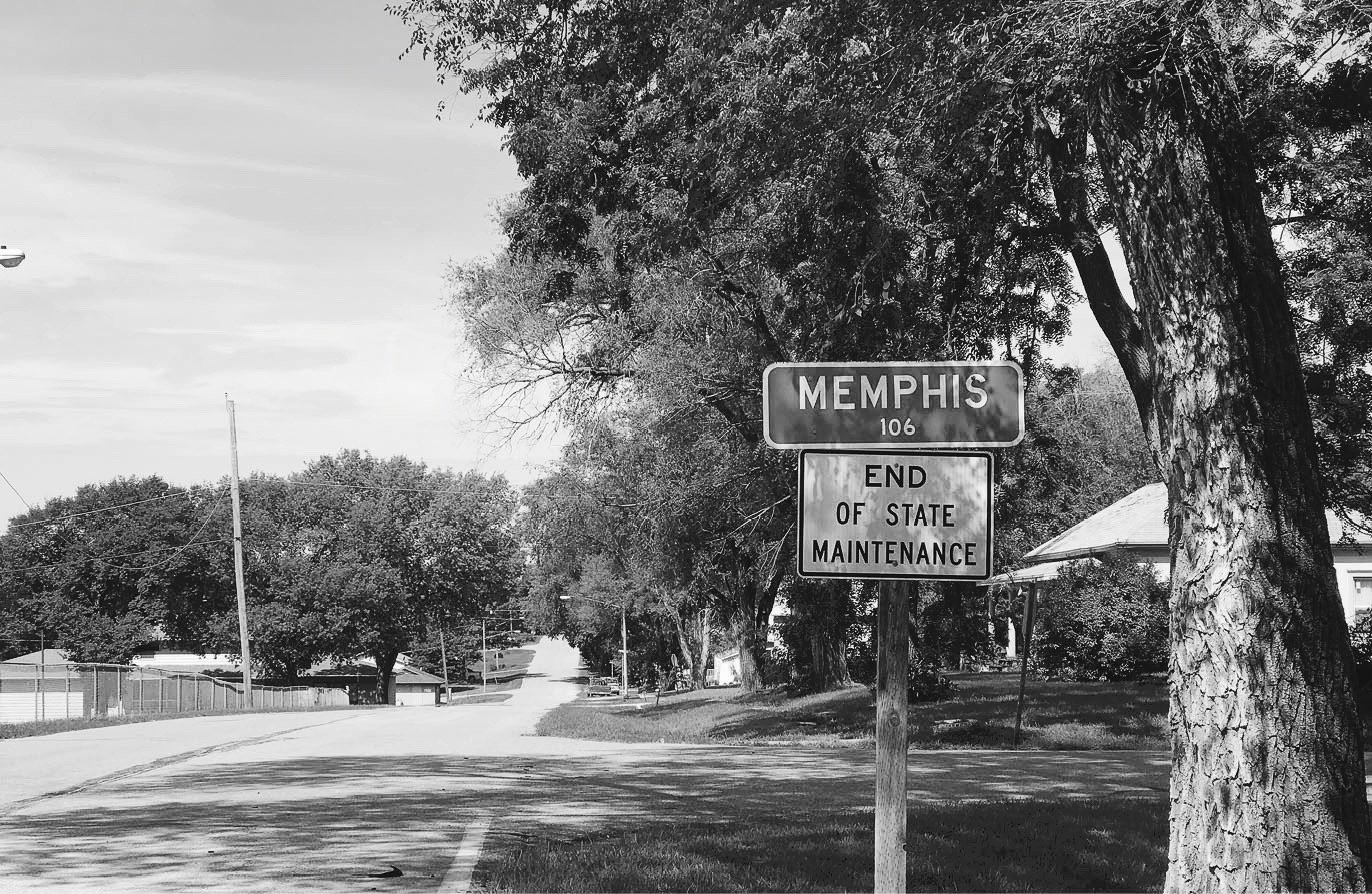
{"x": 342, "y": 801}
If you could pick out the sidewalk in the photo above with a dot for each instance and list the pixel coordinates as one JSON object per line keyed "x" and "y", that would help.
{"x": 36, "y": 766}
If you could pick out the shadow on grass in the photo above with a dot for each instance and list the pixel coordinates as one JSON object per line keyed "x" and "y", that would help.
{"x": 319, "y": 823}
{"x": 981, "y": 714}
{"x": 1117, "y": 845}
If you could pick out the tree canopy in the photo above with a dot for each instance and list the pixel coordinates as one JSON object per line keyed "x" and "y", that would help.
{"x": 910, "y": 180}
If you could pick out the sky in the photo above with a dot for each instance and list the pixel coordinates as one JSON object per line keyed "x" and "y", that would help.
{"x": 248, "y": 198}
{"x": 251, "y": 198}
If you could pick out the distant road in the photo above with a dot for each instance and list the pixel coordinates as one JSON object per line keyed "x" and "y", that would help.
{"x": 331, "y": 801}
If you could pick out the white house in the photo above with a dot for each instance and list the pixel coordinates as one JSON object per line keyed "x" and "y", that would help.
{"x": 725, "y": 671}
{"x": 1137, "y": 526}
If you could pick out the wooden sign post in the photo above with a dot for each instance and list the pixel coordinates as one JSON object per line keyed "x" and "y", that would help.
{"x": 893, "y": 713}
{"x": 894, "y": 505}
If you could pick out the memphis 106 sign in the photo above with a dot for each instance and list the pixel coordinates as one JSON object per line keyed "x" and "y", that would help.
{"x": 875, "y": 405}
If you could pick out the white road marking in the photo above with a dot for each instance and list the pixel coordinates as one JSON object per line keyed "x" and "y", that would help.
{"x": 458, "y": 878}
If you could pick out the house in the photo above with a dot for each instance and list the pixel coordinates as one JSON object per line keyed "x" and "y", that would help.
{"x": 725, "y": 671}
{"x": 41, "y": 657}
{"x": 410, "y": 686}
{"x": 40, "y": 686}
{"x": 184, "y": 660}
{"x": 1137, "y": 526}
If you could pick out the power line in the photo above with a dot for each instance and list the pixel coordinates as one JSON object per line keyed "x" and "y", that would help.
{"x": 203, "y": 525}
{"x": 380, "y": 487}
{"x": 101, "y": 560}
{"x": 16, "y": 491}
{"x": 160, "y": 549}
{"x": 110, "y": 508}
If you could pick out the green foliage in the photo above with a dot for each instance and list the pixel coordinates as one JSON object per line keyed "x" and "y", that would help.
{"x": 927, "y": 680}
{"x": 653, "y": 515}
{"x": 1083, "y": 450}
{"x": 1360, "y": 635}
{"x": 1103, "y": 620}
{"x": 100, "y": 582}
{"x": 354, "y": 555}
{"x": 357, "y": 555}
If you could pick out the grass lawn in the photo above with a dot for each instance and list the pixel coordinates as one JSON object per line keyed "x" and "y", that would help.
{"x": 474, "y": 693}
{"x": 1067, "y": 845}
{"x": 980, "y": 714}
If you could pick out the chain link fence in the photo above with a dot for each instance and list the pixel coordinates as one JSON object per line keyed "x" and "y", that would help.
{"x": 63, "y": 691}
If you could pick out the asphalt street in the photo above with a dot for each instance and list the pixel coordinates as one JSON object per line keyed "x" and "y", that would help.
{"x": 400, "y": 799}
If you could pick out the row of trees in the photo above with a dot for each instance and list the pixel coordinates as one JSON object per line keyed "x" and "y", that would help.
{"x": 714, "y": 185}
{"x": 663, "y": 513}
{"x": 352, "y": 556}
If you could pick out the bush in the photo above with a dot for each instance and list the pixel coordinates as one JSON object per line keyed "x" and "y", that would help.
{"x": 1360, "y": 637}
{"x": 1103, "y": 620}
{"x": 927, "y": 682}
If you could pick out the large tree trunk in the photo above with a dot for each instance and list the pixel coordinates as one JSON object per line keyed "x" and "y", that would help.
{"x": 683, "y": 639}
{"x": 824, "y": 610}
{"x": 385, "y": 672}
{"x": 1267, "y": 789}
{"x": 752, "y": 652}
{"x": 704, "y": 648}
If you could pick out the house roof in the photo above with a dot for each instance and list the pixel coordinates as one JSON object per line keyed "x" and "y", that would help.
{"x": 415, "y": 675}
{"x": 45, "y": 656}
{"x": 1139, "y": 521}
{"x": 366, "y": 667}
{"x": 1027, "y": 575}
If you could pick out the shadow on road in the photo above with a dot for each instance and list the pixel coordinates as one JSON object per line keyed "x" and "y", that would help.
{"x": 244, "y": 826}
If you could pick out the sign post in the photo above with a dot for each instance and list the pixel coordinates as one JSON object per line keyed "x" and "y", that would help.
{"x": 895, "y": 507}
{"x": 893, "y": 718}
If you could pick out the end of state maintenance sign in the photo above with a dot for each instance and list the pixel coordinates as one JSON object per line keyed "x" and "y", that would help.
{"x": 895, "y": 514}
{"x": 935, "y": 404}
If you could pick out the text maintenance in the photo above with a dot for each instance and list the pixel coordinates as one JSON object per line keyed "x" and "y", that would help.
{"x": 894, "y": 514}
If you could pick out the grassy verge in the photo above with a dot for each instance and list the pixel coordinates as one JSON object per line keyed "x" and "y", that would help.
{"x": 981, "y": 714}
{"x": 476, "y": 694}
{"x": 1114, "y": 845}
{"x": 49, "y": 727}
{"x": 489, "y": 698}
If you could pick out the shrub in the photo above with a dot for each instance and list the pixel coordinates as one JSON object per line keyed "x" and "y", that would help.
{"x": 1103, "y": 620}
{"x": 1360, "y": 637}
{"x": 927, "y": 682}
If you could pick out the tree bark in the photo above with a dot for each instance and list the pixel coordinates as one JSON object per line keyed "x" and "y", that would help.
{"x": 704, "y": 647}
{"x": 1267, "y": 788}
{"x": 824, "y": 609}
{"x": 385, "y": 671}
{"x": 752, "y": 652}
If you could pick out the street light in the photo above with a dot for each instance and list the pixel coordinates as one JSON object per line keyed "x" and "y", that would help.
{"x": 10, "y": 257}
{"x": 623, "y": 640}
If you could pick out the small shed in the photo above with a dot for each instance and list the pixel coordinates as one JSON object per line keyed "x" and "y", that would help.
{"x": 414, "y": 687}
{"x": 40, "y": 686}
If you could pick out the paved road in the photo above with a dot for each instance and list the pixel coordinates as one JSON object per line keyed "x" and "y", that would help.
{"x": 327, "y": 801}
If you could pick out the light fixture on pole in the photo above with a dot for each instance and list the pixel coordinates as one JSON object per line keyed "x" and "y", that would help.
{"x": 623, "y": 640}
{"x": 10, "y": 257}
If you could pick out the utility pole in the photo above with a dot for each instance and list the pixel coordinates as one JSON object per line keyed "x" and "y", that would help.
{"x": 238, "y": 558}
{"x": 443, "y": 651}
{"x": 483, "y": 656}
{"x": 624, "y": 653}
